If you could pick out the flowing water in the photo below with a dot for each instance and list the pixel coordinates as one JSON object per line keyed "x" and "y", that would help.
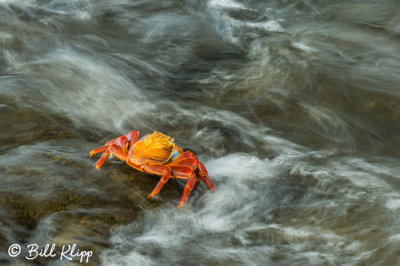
{"x": 293, "y": 106}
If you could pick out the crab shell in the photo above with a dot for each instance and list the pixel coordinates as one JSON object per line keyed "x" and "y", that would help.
{"x": 152, "y": 148}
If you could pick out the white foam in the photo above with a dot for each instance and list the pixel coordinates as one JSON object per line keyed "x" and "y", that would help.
{"x": 230, "y": 28}
{"x": 393, "y": 204}
{"x": 110, "y": 258}
{"x": 5, "y": 37}
{"x": 226, "y": 4}
{"x": 271, "y": 26}
{"x": 239, "y": 165}
{"x": 395, "y": 238}
{"x": 19, "y": 2}
{"x": 82, "y": 15}
{"x": 304, "y": 47}
{"x": 305, "y": 232}
{"x": 352, "y": 168}
{"x": 354, "y": 246}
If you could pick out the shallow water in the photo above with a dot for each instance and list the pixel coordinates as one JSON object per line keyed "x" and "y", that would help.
{"x": 293, "y": 106}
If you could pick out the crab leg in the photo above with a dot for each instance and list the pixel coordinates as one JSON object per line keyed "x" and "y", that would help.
{"x": 132, "y": 136}
{"x": 189, "y": 159}
{"x": 102, "y": 159}
{"x": 184, "y": 170}
{"x": 174, "y": 171}
{"x": 188, "y": 188}
{"x": 205, "y": 177}
{"x": 160, "y": 170}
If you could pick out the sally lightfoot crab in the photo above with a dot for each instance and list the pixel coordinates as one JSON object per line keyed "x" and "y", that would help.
{"x": 157, "y": 154}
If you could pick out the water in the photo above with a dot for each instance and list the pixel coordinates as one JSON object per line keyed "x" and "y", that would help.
{"x": 293, "y": 106}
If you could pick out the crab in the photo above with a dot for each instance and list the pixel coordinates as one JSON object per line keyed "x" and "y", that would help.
{"x": 157, "y": 154}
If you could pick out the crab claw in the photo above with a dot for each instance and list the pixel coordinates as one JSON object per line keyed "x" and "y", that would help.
{"x": 98, "y": 150}
{"x": 118, "y": 147}
{"x": 102, "y": 159}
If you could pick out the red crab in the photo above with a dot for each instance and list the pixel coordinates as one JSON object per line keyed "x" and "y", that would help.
{"x": 157, "y": 154}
